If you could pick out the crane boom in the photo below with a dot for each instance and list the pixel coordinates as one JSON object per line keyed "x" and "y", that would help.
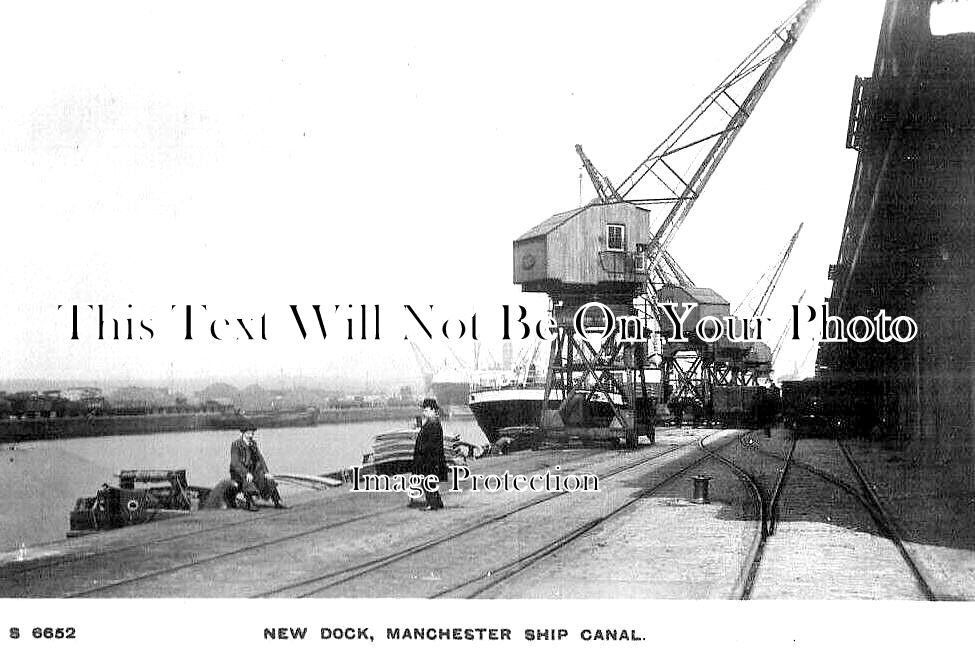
{"x": 772, "y": 274}
{"x": 667, "y": 269}
{"x": 774, "y": 280}
{"x": 683, "y": 280}
{"x": 604, "y": 188}
{"x": 785, "y": 330}
{"x": 692, "y": 135}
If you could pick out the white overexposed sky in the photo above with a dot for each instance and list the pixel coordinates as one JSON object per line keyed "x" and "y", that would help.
{"x": 250, "y": 156}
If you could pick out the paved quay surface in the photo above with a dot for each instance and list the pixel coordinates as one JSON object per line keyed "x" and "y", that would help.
{"x": 314, "y": 548}
{"x": 664, "y": 546}
{"x": 640, "y": 536}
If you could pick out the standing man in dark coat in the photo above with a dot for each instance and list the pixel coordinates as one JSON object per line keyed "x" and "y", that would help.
{"x": 428, "y": 456}
{"x": 248, "y": 470}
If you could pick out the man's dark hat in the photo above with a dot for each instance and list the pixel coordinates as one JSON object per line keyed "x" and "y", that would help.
{"x": 431, "y": 403}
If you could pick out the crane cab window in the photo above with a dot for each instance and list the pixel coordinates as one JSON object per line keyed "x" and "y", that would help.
{"x": 616, "y": 237}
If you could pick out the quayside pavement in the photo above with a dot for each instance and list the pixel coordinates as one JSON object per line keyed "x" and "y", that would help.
{"x": 639, "y": 536}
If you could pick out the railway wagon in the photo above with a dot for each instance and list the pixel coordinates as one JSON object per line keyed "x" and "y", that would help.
{"x": 831, "y": 407}
{"x": 803, "y": 409}
{"x": 734, "y": 406}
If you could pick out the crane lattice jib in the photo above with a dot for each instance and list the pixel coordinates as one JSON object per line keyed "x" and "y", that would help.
{"x": 764, "y": 61}
{"x": 666, "y": 270}
{"x": 604, "y": 189}
{"x": 680, "y": 276}
{"x": 767, "y": 286}
{"x": 767, "y": 295}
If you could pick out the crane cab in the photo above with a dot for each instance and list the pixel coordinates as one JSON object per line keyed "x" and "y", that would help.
{"x": 590, "y": 247}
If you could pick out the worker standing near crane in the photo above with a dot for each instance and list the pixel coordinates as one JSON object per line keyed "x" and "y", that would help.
{"x": 428, "y": 456}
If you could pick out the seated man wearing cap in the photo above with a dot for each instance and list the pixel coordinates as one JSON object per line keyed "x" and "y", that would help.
{"x": 248, "y": 470}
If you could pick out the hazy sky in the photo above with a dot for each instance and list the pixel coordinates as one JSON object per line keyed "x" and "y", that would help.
{"x": 249, "y": 156}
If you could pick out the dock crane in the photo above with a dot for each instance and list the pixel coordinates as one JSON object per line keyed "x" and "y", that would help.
{"x": 635, "y": 276}
{"x": 757, "y": 359}
{"x": 666, "y": 269}
{"x": 697, "y": 134}
{"x": 733, "y": 364}
{"x": 705, "y": 134}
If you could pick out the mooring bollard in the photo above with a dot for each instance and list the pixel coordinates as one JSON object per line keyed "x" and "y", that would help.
{"x": 701, "y": 489}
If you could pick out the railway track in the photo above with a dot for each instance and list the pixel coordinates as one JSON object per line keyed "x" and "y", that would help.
{"x": 485, "y": 580}
{"x": 767, "y": 488}
{"x": 105, "y": 589}
{"x": 69, "y": 560}
{"x": 862, "y": 493}
{"x": 12, "y": 571}
{"x": 766, "y": 502}
{"x": 887, "y": 524}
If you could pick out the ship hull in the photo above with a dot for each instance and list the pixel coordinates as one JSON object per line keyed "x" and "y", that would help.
{"x": 493, "y": 414}
{"x": 498, "y": 409}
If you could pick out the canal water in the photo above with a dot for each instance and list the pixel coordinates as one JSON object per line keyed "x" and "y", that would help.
{"x": 41, "y": 480}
